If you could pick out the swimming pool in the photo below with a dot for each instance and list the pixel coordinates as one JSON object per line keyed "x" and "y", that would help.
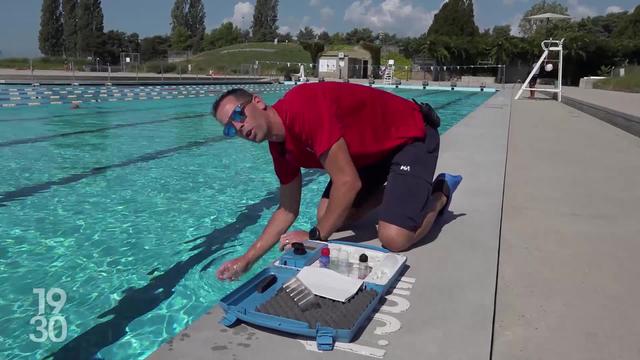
{"x": 129, "y": 207}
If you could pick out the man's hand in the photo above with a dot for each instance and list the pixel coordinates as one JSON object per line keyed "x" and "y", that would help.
{"x": 291, "y": 237}
{"x": 232, "y": 269}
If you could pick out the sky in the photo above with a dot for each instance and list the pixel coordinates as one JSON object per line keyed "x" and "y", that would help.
{"x": 20, "y": 19}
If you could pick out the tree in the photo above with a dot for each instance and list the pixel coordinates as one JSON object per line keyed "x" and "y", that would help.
{"x": 455, "y": 18}
{"x": 265, "y": 19}
{"x": 436, "y": 47}
{"x": 70, "y": 26}
{"x": 180, "y": 39}
{"x": 324, "y": 37}
{"x": 227, "y": 34}
{"x": 528, "y": 26}
{"x": 246, "y": 35}
{"x": 115, "y": 42}
{"x": 604, "y": 26}
{"x": 356, "y": 36}
{"x": 314, "y": 48}
{"x": 337, "y": 38}
{"x": 388, "y": 39}
{"x": 630, "y": 26}
{"x": 285, "y": 37}
{"x": 306, "y": 34}
{"x": 195, "y": 23}
{"x": 50, "y": 38}
{"x": 132, "y": 43}
{"x": 90, "y": 27}
{"x": 179, "y": 15}
{"x": 154, "y": 47}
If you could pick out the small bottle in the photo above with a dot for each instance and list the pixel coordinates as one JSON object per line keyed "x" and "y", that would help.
{"x": 363, "y": 266}
{"x": 344, "y": 267}
{"x": 335, "y": 260}
{"x": 324, "y": 257}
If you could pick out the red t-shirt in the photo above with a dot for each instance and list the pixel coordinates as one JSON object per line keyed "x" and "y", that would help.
{"x": 315, "y": 116}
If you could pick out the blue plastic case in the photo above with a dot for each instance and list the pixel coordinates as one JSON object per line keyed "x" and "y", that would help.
{"x": 243, "y": 302}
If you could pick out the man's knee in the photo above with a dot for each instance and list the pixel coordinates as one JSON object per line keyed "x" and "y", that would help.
{"x": 394, "y": 237}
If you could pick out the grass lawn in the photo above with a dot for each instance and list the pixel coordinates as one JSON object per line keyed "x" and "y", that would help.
{"x": 236, "y": 58}
{"x": 629, "y": 83}
{"x": 43, "y": 63}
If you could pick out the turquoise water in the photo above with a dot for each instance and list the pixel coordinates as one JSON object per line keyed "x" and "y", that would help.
{"x": 130, "y": 218}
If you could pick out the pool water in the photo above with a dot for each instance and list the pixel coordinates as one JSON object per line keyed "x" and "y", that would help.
{"x": 129, "y": 207}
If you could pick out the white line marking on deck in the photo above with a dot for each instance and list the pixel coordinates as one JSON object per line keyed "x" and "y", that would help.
{"x": 402, "y": 304}
{"x": 408, "y": 279}
{"x": 349, "y": 347}
{"x": 403, "y": 285}
{"x": 401, "y": 292}
{"x": 391, "y": 324}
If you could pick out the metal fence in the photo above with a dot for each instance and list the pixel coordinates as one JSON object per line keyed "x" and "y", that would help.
{"x": 453, "y": 74}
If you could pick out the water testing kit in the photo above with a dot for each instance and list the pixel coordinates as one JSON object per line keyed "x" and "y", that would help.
{"x": 309, "y": 291}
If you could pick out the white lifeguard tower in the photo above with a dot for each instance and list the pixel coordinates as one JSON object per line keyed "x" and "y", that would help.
{"x": 388, "y": 72}
{"x": 300, "y": 75}
{"x": 549, "y": 47}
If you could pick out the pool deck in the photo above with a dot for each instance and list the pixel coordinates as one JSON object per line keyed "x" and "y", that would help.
{"x": 537, "y": 259}
{"x": 568, "y": 278}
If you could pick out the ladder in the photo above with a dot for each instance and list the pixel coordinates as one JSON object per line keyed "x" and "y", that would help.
{"x": 388, "y": 75}
{"x": 547, "y": 46}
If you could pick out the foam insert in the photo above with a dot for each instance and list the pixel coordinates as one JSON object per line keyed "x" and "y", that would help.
{"x": 327, "y": 312}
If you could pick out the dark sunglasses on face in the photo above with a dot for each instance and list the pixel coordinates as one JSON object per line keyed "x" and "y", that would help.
{"x": 237, "y": 115}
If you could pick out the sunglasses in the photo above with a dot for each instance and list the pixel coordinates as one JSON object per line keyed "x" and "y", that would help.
{"x": 237, "y": 115}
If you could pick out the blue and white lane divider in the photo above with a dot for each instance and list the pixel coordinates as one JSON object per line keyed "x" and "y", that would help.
{"x": 69, "y": 95}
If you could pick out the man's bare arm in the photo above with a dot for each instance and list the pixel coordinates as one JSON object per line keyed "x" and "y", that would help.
{"x": 346, "y": 184}
{"x": 280, "y": 221}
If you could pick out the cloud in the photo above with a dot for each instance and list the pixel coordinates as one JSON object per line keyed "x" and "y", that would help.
{"x": 395, "y": 16}
{"x": 326, "y": 13}
{"x": 614, "y": 9}
{"x": 284, "y": 29}
{"x": 242, "y": 15}
{"x": 318, "y": 29}
{"x": 293, "y": 26}
{"x": 314, "y": 3}
{"x": 579, "y": 11}
{"x": 506, "y": 2}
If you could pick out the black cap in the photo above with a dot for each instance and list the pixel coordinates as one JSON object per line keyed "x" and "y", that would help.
{"x": 363, "y": 258}
{"x": 298, "y": 248}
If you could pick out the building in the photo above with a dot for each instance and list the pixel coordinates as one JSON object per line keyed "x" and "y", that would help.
{"x": 352, "y": 63}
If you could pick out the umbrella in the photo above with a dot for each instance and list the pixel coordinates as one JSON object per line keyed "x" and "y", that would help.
{"x": 548, "y": 16}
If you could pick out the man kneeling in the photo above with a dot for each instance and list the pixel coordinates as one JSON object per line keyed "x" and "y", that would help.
{"x": 379, "y": 149}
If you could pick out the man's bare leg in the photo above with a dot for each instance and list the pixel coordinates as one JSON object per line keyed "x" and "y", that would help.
{"x": 396, "y": 238}
{"x": 355, "y": 214}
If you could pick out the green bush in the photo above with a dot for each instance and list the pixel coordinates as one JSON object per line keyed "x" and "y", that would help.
{"x": 14, "y": 63}
{"x": 628, "y": 83}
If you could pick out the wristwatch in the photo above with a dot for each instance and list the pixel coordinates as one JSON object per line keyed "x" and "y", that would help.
{"x": 314, "y": 234}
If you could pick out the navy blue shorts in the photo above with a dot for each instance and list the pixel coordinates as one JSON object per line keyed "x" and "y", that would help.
{"x": 409, "y": 174}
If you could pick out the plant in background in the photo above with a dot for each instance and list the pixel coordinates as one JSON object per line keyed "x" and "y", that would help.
{"x": 605, "y": 70}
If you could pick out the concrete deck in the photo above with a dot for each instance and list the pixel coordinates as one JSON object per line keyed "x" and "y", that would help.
{"x": 619, "y": 109}
{"x": 561, "y": 241}
{"x": 568, "y": 277}
{"x": 443, "y": 308}
{"x": 628, "y": 103}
